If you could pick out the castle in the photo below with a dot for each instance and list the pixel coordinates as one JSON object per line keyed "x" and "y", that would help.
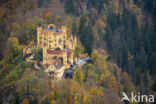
{"x": 57, "y": 47}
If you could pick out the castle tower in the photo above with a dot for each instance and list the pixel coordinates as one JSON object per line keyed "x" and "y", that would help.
{"x": 64, "y": 28}
{"x": 75, "y": 42}
{"x": 71, "y": 58}
{"x": 70, "y": 42}
{"x": 64, "y": 55}
{"x": 39, "y": 29}
{"x": 64, "y": 31}
{"x": 44, "y": 55}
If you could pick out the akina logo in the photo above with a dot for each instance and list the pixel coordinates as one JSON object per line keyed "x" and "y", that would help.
{"x": 137, "y": 98}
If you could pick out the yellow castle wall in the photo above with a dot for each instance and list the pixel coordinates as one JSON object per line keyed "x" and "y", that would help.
{"x": 52, "y": 41}
{"x": 48, "y": 58}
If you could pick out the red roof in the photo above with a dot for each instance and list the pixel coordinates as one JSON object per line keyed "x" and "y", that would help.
{"x": 55, "y": 52}
{"x": 69, "y": 54}
{"x": 58, "y": 52}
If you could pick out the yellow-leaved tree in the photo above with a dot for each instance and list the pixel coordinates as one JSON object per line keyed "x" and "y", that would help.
{"x": 25, "y": 101}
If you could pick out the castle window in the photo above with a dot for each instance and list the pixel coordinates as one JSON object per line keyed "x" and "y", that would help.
{"x": 55, "y": 57}
{"x": 44, "y": 44}
{"x": 49, "y": 41}
{"x": 60, "y": 41}
{"x": 44, "y": 38}
{"x": 40, "y": 37}
{"x": 64, "y": 37}
{"x": 55, "y": 44}
{"x": 40, "y": 42}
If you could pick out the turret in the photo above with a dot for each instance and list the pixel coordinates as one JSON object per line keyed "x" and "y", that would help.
{"x": 71, "y": 37}
{"x": 75, "y": 41}
{"x": 64, "y": 29}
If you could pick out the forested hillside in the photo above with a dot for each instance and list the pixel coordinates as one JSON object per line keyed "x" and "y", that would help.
{"x": 119, "y": 36}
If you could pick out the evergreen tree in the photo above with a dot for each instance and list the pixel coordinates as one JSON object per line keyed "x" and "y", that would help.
{"x": 86, "y": 35}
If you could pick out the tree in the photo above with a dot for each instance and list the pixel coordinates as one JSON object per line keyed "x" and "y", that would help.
{"x": 58, "y": 21}
{"x": 95, "y": 55}
{"x": 93, "y": 15}
{"x": 48, "y": 16}
{"x": 93, "y": 2}
{"x": 11, "y": 51}
{"x": 109, "y": 37}
{"x": 154, "y": 86}
{"x": 100, "y": 25}
{"x": 125, "y": 81}
{"x": 78, "y": 51}
{"x": 79, "y": 75}
{"x": 69, "y": 6}
{"x": 74, "y": 28}
{"x": 151, "y": 63}
{"x": 38, "y": 55}
{"x": 124, "y": 78}
{"x": 42, "y": 3}
{"x": 141, "y": 60}
{"x": 25, "y": 101}
{"x": 86, "y": 34}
